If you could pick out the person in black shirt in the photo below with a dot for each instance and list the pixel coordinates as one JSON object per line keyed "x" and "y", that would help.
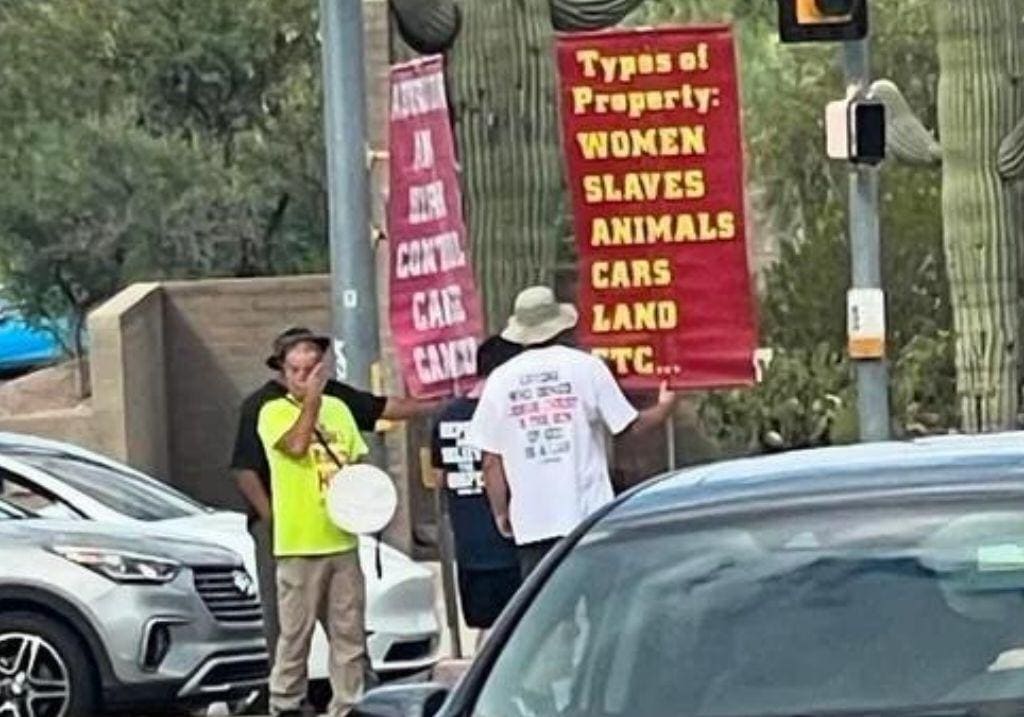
{"x": 488, "y": 564}
{"x": 252, "y": 472}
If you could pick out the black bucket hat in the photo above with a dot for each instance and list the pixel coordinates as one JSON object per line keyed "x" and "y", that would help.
{"x": 290, "y": 337}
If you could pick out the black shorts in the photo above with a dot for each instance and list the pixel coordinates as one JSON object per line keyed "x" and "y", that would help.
{"x": 485, "y": 593}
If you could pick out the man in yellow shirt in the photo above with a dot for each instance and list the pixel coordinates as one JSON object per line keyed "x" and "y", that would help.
{"x": 307, "y": 437}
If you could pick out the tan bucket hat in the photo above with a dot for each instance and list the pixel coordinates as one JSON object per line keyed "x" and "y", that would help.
{"x": 538, "y": 317}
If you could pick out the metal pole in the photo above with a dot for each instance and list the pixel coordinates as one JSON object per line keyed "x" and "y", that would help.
{"x": 353, "y": 268}
{"x": 670, "y": 441}
{"x": 865, "y": 254}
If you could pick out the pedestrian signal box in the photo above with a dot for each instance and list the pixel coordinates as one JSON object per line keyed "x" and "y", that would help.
{"x": 822, "y": 20}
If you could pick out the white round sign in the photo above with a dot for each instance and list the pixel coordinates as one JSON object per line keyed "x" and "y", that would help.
{"x": 361, "y": 499}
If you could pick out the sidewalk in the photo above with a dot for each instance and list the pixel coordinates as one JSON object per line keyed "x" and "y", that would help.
{"x": 466, "y": 634}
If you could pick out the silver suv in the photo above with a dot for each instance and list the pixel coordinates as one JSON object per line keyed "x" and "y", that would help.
{"x": 95, "y": 618}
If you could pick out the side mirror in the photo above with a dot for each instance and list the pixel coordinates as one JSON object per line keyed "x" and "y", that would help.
{"x": 423, "y": 700}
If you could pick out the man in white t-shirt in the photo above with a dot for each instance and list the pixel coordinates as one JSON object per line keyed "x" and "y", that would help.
{"x": 542, "y": 424}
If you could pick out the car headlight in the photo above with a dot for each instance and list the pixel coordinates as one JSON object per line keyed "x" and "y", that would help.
{"x": 121, "y": 566}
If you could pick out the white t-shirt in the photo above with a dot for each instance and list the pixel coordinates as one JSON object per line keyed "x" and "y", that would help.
{"x": 545, "y": 413}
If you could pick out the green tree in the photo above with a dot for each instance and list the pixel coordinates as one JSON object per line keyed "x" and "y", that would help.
{"x": 148, "y": 139}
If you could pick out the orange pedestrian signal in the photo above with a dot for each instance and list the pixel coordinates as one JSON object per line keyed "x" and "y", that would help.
{"x": 829, "y": 11}
{"x": 822, "y": 20}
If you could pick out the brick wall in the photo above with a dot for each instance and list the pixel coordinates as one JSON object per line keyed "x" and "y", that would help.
{"x": 216, "y": 337}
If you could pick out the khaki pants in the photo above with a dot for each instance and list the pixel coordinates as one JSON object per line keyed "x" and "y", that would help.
{"x": 329, "y": 589}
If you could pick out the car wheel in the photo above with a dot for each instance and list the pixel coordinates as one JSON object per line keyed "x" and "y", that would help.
{"x": 44, "y": 670}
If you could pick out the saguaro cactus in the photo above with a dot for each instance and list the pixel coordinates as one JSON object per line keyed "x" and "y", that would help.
{"x": 981, "y": 110}
{"x": 503, "y": 85}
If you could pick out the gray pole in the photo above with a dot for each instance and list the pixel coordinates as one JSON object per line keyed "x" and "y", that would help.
{"x": 353, "y": 267}
{"x": 865, "y": 253}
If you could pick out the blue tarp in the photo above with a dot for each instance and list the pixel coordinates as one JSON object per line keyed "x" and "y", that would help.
{"x": 22, "y": 346}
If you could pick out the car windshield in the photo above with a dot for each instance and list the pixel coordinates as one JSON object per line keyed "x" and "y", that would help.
{"x": 121, "y": 490}
{"x": 12, "y": 512}
{"x": 859, "y": 609}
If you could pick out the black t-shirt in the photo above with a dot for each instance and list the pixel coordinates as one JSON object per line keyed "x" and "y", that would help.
{"x": 248, "y": 453}
{"x": 478, "y": 544}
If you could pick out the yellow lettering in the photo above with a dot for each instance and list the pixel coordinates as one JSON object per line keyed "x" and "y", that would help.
{"x": 631, "y": 273}
{"x": 649, "y": 229}
{"x": 620, "y": 145}
{"x": 707, "y": 232}
{"x": 644, "y": 142}
{"x": 639, "y": 316}
{"x": 686, "y": 230}
{"x": 643, "y": 360}
{"x": 636, "y": 143}
{"x": 659, "y": 228}
{"x": 643, "y": 187}
{"x": 673, "y": 186}
{"x": 693, "y": 140}
{"x": 588, "y": 58}
{"x": 641, "y": 273}
{"x": 638, "y": 359}
{"x": 582, "y": 99}
{"x": 693, "y": 60}
{"x": 655, "y": 100}
{"x": 662, "y": 272}
{"x": 627, "y": 68}
{"x": 593, "y": 145}
{"x": 645, "y": 316}
{"x": 599, "y": 233}
{"x": 669, "y": 139}
{"x": 726, "y": 225}
{"x": 694, "y": 180}
{"x": 592, "y": 189}
{"x": 637, "y": 104}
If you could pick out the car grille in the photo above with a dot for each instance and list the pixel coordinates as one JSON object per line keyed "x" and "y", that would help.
{"x": 236, "y": 672}
{"x": 219, "y": 590}
{"x": 408, "y": 651}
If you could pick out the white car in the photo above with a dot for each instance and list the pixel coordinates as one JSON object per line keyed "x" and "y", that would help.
{"x": 58, "y": 479}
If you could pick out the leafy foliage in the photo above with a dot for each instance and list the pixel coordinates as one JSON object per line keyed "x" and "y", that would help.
{"x": 150, "y": 139}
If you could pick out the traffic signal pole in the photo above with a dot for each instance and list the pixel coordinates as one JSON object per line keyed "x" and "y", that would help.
{"x": 865, "y": 253}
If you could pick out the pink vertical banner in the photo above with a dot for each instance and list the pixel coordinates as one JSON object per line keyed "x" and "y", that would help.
{"x": 435, "y": 315}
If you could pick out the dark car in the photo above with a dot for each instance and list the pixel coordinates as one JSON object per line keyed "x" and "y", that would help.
{"x": 883, "y": 579}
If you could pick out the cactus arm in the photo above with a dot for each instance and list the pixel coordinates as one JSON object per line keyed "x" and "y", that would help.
{"x": 1011, "y": 153}
{"x": 569, "y": 15}
{"x": 428, "y": 26}
{"x": 907, "y": 139}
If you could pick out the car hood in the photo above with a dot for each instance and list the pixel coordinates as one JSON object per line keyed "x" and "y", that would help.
{"x": 228, "y": 528}
{"x": 87, "y": 534}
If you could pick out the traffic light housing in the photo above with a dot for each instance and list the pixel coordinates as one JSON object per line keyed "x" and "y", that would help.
{"x": 822, "y": 20}
{"x": 855, "y": 130}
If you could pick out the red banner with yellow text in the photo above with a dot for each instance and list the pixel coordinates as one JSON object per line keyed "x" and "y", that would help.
{"x": 435, "y": 310}
{"x": 651, "y": 129}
